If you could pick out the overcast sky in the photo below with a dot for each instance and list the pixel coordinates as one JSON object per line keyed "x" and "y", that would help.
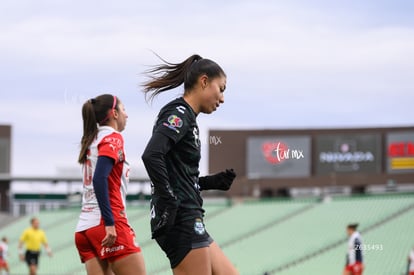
{"x": 290, "y": 64}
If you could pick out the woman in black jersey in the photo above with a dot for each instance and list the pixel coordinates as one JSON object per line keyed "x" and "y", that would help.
{"x": 171, "y": 159}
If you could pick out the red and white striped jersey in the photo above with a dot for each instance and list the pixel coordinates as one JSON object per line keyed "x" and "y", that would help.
{"x": 110, "y": 143}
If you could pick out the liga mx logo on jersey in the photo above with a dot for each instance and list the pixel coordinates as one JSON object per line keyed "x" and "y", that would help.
{"x": 199, "y": 227}
{"x": 174, "y": 122}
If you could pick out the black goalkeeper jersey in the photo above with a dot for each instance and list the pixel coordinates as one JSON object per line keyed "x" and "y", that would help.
{"x": 177, "y": 121}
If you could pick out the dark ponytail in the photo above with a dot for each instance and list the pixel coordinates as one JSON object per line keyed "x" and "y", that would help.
{"x": 94, "y": 113}
{"x": 168, "y": 76}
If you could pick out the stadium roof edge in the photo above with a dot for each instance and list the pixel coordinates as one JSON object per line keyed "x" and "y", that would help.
{"x": 322, "y": 129}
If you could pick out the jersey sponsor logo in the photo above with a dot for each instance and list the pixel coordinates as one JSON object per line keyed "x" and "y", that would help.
{"x": 174, "y": 122}
{"x": 113, "y": 142}
{"x": 199, "y": 227}
{"x": 106, "y": 250}
{"x": 152, "y": 212}
{"x": 181, "y": 109}
{"x": 196, "y": 137}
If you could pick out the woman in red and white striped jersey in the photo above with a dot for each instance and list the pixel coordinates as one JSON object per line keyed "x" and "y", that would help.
{"x": 104, "y": 238}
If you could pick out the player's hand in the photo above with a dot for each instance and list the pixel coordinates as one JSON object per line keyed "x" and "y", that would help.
{"x": 110, "y": 236}
{"x": 219, "y": 181}
{"x": 227, "y": 178}
{"x": 166, "y": 220}
{"x": 21, "y": 257}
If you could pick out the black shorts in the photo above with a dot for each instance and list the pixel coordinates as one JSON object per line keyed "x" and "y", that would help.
{"x": 32, "y": 257}
{"x": 183, "y": 237}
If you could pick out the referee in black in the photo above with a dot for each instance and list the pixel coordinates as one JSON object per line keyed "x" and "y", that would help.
{"x": 172, "y": 158}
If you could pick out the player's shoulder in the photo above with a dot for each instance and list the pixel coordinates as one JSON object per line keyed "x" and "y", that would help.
{"x": 109, "y": 135}
{"x": 176, "y": 114}
{"x": 176, "y": 107}
{"x": 28, "y": 231}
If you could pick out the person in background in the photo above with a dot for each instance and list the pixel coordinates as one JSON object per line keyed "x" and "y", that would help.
{"x": 104, "y": 238}
{"x": 411, "y": 262}
{"x": 354, "y": 259}
{"x": 32, "y": 239}
{"x": 4, "y": 247}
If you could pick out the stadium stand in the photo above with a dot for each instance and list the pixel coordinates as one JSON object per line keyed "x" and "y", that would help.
{"x": 386, "y": 252}
{"x": 276, "y": 236}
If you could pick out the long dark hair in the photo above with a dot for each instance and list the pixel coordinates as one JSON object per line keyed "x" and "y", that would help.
{"x": 94, "y": 112}
{"x": 168, "y": 75}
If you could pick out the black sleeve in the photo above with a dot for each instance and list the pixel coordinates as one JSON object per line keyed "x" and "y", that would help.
{"x": 173, "y": 122}
{"x": 100, "y": 185}
{"x": 154, "y": 161}
{"x": 358, "y": 251}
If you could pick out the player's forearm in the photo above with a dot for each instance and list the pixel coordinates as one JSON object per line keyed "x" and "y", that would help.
{"x": 20, "y": 248}
{"x": 47, "y": 247}
{"x": 100, "y": 184}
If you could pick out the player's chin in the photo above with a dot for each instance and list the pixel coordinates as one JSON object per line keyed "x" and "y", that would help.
{"x": 208, "y": 111}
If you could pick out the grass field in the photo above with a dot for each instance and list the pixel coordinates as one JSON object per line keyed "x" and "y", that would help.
{"x": 288, "y": 237}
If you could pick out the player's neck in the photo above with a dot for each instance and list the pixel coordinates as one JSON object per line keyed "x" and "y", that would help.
{"x": 192, "y": 100}
{"x": 112, "y": 123}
